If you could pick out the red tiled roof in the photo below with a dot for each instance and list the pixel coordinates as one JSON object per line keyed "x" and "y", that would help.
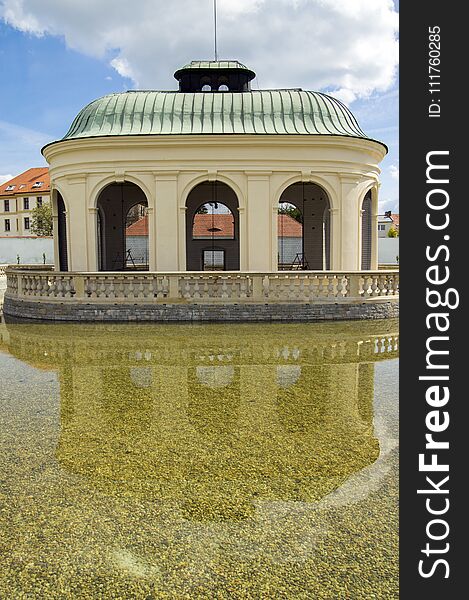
{"x": 140, "y": 227}
{"x": 289, "y": 227}
{"x": 223, "y": 223}
{"x": 24, "y": 182}
{"x": 220, "y": 226}
{"x": 395, "y": 220}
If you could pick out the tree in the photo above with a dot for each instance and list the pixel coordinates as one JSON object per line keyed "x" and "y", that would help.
{"x": 393, "y": 233}
{"x": 293, "y": 211}
{"x": 41, "y": 220}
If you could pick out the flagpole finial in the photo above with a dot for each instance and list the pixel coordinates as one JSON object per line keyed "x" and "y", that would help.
{"x": 215, "y": 27}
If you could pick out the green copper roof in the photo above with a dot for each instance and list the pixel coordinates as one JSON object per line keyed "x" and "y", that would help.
{"x": 178, "y": 113}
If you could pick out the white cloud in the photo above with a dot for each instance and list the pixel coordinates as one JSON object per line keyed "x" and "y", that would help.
{"x": 388, "y": 204}
{"x": 394, "y": 172}
{"x": 4, "y": 178}
{"x": 348, "y": 47}
{"x": 19, "y": 148}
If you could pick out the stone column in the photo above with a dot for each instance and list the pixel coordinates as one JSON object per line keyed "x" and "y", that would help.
{"x": 151, "y": 239}
{"x": 77, "y": 223}
{"x": 335, "y": 238}
{"x": 165, "y": 222}
{"x": 374, "y": 229}
{"x": 259, "y": 222}
{"x": 350, "y": 259}
{"x": 55, "y": 228}
{"x": 93, "y": 239}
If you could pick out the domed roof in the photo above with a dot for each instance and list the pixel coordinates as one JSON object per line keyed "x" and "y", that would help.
{"x": 179, "y": 113}
{"x": 215, "y": 98}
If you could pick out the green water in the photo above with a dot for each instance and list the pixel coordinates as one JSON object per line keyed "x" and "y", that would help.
{"x": 204, "y": 461}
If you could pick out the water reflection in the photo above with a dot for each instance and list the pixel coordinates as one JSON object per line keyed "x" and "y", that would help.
{"x": 223, "y": 439}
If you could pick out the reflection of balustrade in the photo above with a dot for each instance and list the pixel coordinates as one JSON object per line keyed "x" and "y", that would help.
{"x": 35, "y": 283}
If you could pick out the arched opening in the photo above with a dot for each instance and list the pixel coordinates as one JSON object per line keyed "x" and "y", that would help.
{"x": 304, "y": 228}
{"x": 212, "y": 228}
{"x": 223, "y": 84}
{"x": 366, "y": 232}
{"x": 122, "y": 228}
{"x": 205, "y": 84}
{"x": 62, "y": 233}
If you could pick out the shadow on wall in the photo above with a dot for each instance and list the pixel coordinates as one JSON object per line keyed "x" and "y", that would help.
{"x": 29, "y": 250}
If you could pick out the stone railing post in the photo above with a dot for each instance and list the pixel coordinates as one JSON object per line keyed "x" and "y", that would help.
{"x": 79, "y": 286}
{"x": 354, "y": 285}
{"x": 19, "y": 282}
{"x": 257, "y": 287}
{"x": 173, "y": 287}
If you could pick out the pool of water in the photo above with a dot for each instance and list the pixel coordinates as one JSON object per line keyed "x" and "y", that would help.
{"x": 199, "y": 461}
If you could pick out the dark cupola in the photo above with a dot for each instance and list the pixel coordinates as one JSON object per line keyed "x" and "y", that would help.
{"x": 214, "y": 76}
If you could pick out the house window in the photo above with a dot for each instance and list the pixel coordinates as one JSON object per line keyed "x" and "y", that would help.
{"x": 37, "y": 184}
{"x": 26, "y": 203}
{"x": 39, "y": 201}
{"x": 213, "y": 260}
{"x": 9, "y": 188}
{"x": 7, "y": 224}
{"x": 26, "y": 222}
{"x": 381, "y": 227}
{"x": 7, "y": 205}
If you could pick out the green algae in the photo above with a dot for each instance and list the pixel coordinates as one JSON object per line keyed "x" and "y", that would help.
{"x": 207, "y": 461}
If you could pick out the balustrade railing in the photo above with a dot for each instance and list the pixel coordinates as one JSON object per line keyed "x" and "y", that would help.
{"x": 34, "y": 283}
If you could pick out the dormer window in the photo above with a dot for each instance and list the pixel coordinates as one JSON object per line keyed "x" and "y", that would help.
{"x": 9, "y": 188}
{"x": 38, "y": 184}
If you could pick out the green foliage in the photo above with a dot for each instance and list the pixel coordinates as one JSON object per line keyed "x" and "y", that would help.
{"x": 41, "y": 220}
{"x": 393, "y": 233}
{"x": 289, "y": 209}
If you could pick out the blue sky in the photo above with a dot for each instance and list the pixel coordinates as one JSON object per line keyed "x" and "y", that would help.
{"x": 58, "y": 55}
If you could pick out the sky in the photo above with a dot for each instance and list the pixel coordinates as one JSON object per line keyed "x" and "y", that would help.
{"x": 56, "y": 56}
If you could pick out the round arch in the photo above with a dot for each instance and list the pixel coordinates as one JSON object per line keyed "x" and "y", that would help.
{"x": 110, "y": 179}
{"x": 212, "y": 234}
{"x": 61, "y": 243}
{"x": 331, "y": 192}
{"x": 122, "y": 244}
{"x": 304, "y": 232}
{"x": 193, "y": 183}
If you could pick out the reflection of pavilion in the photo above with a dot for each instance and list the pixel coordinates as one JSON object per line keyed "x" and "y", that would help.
{"x": 213, "y": 418}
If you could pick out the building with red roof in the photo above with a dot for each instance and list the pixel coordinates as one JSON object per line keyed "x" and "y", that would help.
{"x": 18, "y": 197}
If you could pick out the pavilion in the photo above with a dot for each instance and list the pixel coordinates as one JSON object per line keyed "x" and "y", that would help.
{"x": 214, "y": 147}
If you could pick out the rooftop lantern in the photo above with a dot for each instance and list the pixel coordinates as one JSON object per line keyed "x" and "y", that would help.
{"x": 214, "y": 76}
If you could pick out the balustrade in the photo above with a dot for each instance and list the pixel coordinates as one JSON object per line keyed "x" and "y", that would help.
{"x": 303, "y": 287}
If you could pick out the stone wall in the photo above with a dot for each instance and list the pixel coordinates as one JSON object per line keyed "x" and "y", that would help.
{"x": 58, "y": 311}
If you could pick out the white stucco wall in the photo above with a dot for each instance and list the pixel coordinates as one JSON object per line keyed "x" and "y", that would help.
{"x": 167, "y": 168}
{"x": 30, "y": 250}
{"x": 388, "y": 249}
